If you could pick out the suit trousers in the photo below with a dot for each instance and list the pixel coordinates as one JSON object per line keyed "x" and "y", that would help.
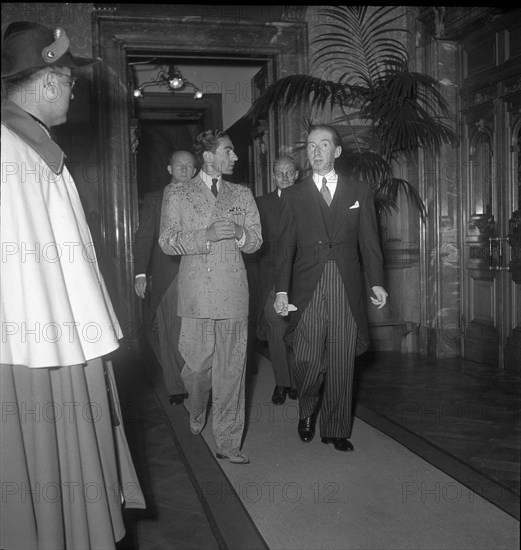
{"x": 280, "y": 353}
{"x": 214, "y": 351}
{"x": 324, "y": 346}
{"x": 168, "y": 329}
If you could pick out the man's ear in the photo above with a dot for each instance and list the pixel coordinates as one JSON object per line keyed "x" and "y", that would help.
{"x": 49, "y": 79}
{"x": 169, "y": 168}
{"x": 296, "y": 174}
{"x": 193, "y": 173}
{"x": 338, "y": 151}
{"x": 208, "y": 157}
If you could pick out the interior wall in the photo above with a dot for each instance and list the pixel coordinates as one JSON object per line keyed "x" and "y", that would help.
{"x": 230, "y": 80}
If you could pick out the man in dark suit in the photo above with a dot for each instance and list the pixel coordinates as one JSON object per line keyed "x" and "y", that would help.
{"x": 272, "y": 327}
{"x": 162, "y": 324}
{"x": 327, "y": 222}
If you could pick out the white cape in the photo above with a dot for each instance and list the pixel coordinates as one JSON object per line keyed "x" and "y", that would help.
{"x": 55, "y": 309}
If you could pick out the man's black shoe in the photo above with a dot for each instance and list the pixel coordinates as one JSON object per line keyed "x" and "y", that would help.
{"x": 292, "y": 393}
{"x": 177, "y": 398}
{"x": 340, "y": 443}
{"x": 279, "y": 395}
{"x": 306, "y": 428}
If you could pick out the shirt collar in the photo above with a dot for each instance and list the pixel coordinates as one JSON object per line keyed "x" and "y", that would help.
{"x": 330, "y": 177}
{"x": 27, "y": 128}
{"x": 207, "y": 179}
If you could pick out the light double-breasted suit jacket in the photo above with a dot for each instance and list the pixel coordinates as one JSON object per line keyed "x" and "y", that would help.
{"x": 212, "y": 277}
{"x": 311, "y": 233}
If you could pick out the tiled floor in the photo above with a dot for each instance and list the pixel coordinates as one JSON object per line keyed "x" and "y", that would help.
{"x": 465, "y": 416}
{"x": 462, "y": 417}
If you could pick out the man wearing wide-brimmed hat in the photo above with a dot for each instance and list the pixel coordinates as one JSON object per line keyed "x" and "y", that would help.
{"x": 64, "y": 459}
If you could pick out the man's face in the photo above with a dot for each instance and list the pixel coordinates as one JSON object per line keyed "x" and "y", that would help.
{"x": 285, "y": 173}
{"x": 58, "y": 88}
{"x": 224, "y": 158}
{"x": 181, "y": 167}
{"x": 322, "y": 151}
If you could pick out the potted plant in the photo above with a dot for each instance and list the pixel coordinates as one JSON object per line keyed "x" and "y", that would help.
{"x": 385, "y": 111}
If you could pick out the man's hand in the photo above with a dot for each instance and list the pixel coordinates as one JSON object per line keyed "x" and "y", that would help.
{"x": 140, "y": 286}
{"x": 281, "y": 304}
{"x": 223, "y": 229}
{"x": 381, "y": 296}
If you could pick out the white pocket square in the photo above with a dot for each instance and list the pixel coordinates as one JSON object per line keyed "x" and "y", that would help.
{"x": 356, "y": 205}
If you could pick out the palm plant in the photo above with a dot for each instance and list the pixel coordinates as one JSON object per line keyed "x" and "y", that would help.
{"x": 386, "y": 111}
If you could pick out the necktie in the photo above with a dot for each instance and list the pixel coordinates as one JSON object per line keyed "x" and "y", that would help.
{"x": 325, "y": 192}
{"x": 214, "y": 186}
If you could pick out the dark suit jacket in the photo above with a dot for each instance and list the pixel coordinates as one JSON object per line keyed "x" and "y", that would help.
{"x": 312, "y": 233}
{"x": 270, "y": 209}
{"x": 150, "y": 259}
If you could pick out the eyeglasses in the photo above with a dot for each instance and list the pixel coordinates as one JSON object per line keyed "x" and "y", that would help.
{"x": 71, "y": 80}
{"x": 290, "y": 174}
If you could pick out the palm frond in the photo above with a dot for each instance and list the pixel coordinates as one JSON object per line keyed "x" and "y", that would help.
{"x": 291, "y": 91}
{"x": 363, "y": 46}
{"x": 386, "y": 194}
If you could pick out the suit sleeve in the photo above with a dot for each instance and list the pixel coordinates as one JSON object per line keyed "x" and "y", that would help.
{"x": 287, "y": 246}
{"x": 176, "y": 237}
{"x": 252, "y": 226}
{"x": 145, "y": 235}
{"x": 369, "y": 241}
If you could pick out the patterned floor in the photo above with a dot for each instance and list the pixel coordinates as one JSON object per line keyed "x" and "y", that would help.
{"x": 465, "y": 416}
{"x": 462, "y": 417}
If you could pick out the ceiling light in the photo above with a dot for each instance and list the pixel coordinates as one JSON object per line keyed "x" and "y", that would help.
{"x": 171, "y": 77}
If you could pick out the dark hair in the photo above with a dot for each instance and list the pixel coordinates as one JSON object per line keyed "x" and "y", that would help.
{"x": 207, "y": 141}
{"x": 337, "y": 140}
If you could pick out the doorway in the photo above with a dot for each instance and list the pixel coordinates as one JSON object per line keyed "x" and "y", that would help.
{"x": 281, "y": 46}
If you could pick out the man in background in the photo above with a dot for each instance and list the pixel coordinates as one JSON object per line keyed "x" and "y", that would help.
{"x": 156, "y": 276}
{"x": 273, "y": 327}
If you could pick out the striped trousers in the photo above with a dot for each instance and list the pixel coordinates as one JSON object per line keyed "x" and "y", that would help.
{"x": 324, "y": 346}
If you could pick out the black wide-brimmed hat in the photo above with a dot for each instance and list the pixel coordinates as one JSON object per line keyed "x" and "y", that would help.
{"x": 27, "y": 46}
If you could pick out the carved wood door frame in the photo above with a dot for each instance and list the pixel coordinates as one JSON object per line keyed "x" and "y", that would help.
{"x": 282, "y": 45}
{"x": 491, "y": 122}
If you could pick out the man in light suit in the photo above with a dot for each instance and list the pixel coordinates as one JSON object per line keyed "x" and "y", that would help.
{"x": 272, "y": 327}
{"x": 326, "y": 220}
{"x": 162, "y": 325}
{"x": 209, "y": 222}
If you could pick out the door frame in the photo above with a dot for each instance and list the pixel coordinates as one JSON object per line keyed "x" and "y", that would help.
{"x": 282, "y": 45}
{"x": 491, "y": 98}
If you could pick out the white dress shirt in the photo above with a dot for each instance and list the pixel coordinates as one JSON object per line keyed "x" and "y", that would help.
{"x": 332, "y": 180}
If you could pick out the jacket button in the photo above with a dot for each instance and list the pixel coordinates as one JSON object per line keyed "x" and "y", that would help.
{"x": 209, "y": 269}
{"x": 330, "y": 245}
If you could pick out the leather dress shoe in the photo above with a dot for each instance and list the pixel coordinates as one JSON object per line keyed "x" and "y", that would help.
{"x": 197, "y": 424}
{"x": 233, "y": 455}
{"x": 292, "y": 393}
{"x": 306, "y": 428}
{"x": 279, "y": 395}
{"x": 177, "y": 398}
{"x": 340, "y": 443}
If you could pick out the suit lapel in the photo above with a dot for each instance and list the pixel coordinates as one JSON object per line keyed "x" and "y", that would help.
{"x": 345, "y": 196}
